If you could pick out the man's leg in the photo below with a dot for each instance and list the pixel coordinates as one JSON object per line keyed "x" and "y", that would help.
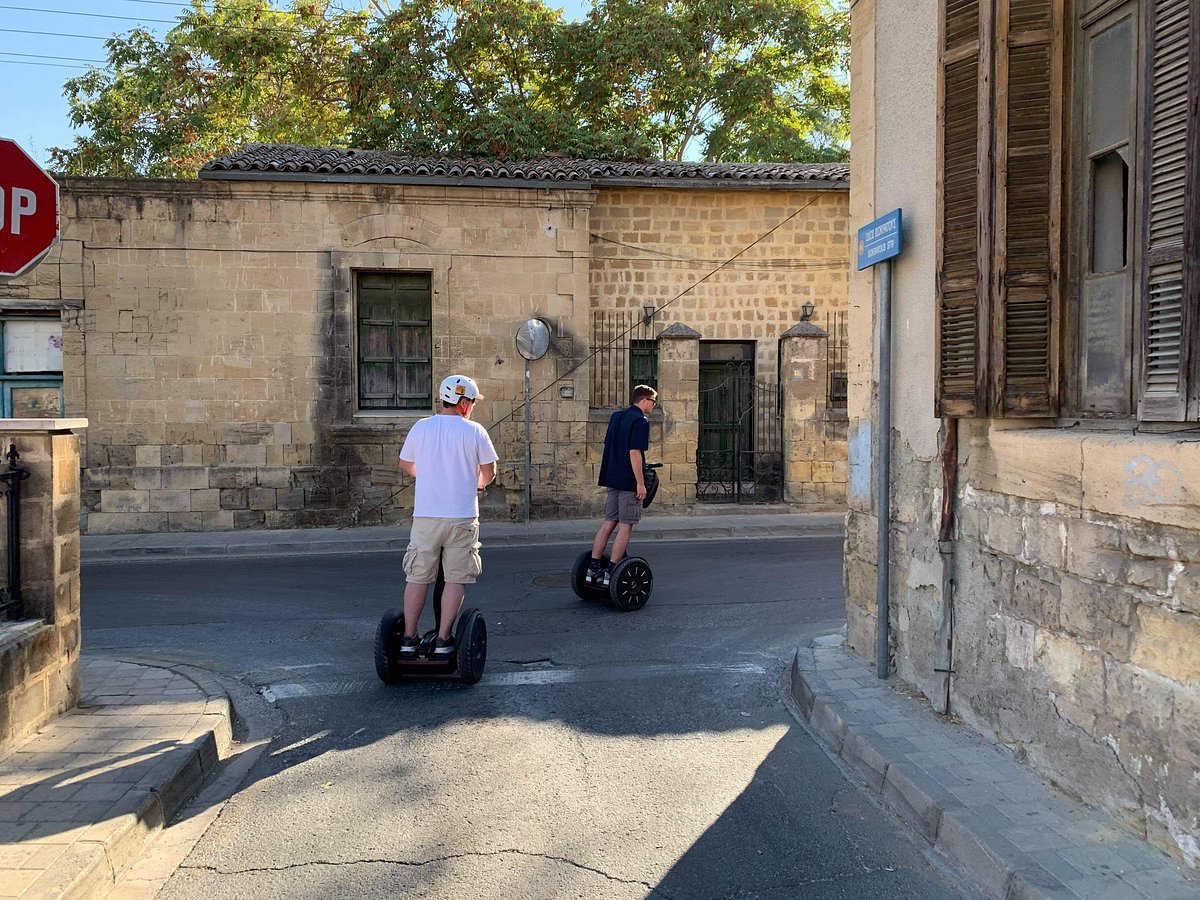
{"x": 602, "y": 536}
{"x": 414, "y": 604}
{"x": 621, "y": 542}
{"x": 452, "y": 598}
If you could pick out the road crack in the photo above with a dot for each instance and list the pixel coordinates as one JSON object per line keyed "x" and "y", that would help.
{"x": 416, "y": 864}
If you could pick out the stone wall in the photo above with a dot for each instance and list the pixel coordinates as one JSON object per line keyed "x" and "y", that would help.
{"x": 215, "y": 350}
{"x": 1076, "y": 618}
{"x": 39, "y": 653}
{"x": 651, "y": 245}
{"x": 655, "y": 245}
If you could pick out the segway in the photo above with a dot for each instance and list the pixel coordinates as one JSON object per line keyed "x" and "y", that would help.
{"x": 629, "y": 585}
{"x": 470, "y": 645}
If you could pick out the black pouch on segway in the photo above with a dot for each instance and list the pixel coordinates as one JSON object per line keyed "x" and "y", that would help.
{"x": 650, "y": 479}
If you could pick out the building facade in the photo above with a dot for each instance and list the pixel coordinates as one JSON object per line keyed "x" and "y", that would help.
{"x": 250, "y": 347}
{"x": 1045, "y": 511}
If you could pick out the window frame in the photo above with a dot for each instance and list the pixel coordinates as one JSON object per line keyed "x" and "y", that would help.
{"x": 1095, "y": 21}
{"x": 356, "y": 349}
{"x": 8, "y": 382}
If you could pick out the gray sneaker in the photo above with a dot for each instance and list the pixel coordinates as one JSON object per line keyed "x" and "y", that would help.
{"x": 443, "y": 647}
{"x": 408, "y": 646}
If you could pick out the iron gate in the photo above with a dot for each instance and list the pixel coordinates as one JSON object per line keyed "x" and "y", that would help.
{"x": 740, "y": 457}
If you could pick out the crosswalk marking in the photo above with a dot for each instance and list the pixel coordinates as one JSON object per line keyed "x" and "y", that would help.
{"x": 290, "y": 690}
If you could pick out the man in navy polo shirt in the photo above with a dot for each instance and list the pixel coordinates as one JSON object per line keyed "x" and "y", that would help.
{"x": 625, "y": 446}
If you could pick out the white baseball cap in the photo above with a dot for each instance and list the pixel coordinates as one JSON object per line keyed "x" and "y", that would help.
{"x": 458, "y": 387}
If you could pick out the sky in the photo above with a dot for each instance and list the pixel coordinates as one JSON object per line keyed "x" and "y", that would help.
{"x": 45, "y": 42}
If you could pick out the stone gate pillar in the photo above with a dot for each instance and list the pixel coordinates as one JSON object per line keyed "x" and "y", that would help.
{"x": 679, "y": 396}
{"x": 39, "y": 651}
{"x": 808, "y": 471}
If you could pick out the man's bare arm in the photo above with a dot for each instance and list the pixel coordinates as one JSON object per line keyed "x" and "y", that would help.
{"x": 408, "y": 468}
{"x": 635, "y": 462}
{"x": 487, "y": 474}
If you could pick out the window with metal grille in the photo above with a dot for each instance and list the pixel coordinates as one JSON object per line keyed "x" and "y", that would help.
{"x": 395, "y": 363}
{"x": 643, "y": 364}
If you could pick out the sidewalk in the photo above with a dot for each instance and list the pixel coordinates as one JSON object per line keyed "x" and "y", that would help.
{"x": 992, "y": 818}
{"x": 97, "y": 547}
{"x": 80, "y": 799}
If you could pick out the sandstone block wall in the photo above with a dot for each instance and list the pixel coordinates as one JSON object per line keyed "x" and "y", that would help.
{"x": 39, "y": 656}
{"x": 653, "y": 245}
{"x": 215, "y": 349}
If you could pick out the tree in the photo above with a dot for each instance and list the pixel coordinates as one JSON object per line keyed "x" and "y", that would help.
{"x": 240, "y": 73}
{"x": 632, "y": 79}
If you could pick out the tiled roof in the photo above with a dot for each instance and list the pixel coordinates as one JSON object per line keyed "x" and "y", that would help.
{"x": 287, "y": 161}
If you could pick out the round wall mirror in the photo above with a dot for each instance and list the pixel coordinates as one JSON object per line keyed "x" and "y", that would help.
{"x": 533, "y": 339}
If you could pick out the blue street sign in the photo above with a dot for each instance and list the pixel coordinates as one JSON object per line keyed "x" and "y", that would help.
{"x": 880, "y": 240}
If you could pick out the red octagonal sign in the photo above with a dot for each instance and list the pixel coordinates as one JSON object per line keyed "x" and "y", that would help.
{"x": 28, "y": 210}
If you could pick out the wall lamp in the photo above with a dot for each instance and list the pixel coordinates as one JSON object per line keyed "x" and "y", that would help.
{"x": 648, "y": 312}
{"x": 806, "y": 311}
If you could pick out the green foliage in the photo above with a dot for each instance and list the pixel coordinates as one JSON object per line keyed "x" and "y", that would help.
{"x": 633, "y": 79}
{"x": 243, "y": 72}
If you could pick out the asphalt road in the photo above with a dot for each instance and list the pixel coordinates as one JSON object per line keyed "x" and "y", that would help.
{"x": 604, "y": 754}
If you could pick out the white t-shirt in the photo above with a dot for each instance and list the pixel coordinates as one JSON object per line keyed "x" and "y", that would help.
{"x": 448, "y": 451}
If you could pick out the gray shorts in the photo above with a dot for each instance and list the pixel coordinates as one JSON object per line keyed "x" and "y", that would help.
{"x": 623, "y": 507}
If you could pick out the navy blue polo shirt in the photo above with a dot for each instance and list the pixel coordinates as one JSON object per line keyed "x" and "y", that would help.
{"x": 628, "y": 429}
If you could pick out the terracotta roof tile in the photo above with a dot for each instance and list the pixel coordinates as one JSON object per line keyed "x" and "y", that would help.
{"x": 281, "y": 160}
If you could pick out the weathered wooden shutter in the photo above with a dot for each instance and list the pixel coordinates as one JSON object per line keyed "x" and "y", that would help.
{"x": 1028, "y": 215}
{"x": 1170, "y": 284}
{"x": 394, "y": 347}
{"x": 964, "y": 174}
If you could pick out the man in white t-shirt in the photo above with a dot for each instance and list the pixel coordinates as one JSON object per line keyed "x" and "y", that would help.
{"x": 452, "y": 459}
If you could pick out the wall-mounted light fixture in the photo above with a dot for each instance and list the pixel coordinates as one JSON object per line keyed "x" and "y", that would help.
{"x": 806, "y": 311}
{"x": 648, "y": 312}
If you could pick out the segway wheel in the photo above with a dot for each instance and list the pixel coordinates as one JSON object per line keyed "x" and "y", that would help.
{"x": 385, "y": 646}
{"x": 631, "y": 584}
{"x": 472, "y": 646}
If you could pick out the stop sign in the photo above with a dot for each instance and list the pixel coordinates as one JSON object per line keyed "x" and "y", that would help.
{"x": 28, "y": 210}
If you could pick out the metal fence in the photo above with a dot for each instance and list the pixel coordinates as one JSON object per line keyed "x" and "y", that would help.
{"x": 12, "y": 606}
{"x": 838, "y": 350}
{"x": 626, "y": 349}
{"x": 740, "y": 456}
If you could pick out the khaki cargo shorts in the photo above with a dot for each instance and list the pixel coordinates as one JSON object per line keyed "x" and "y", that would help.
{"x": 623, "y": 507}
{"x": 453, "y": 541}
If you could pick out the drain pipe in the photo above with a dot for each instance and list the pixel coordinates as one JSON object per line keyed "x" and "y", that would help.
{"x": 943, "y": 661}
{"x": 883, "y": 473}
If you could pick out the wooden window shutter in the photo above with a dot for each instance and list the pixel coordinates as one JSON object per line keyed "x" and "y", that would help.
{"x": 1170, "y": 283}
{"x": 964, "y": 175}
{"x": 1026, "y": 277}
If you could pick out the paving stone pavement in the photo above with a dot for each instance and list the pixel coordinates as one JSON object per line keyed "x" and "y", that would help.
{"x": 1009, "y": 832}
{"x": 80, "y": 799}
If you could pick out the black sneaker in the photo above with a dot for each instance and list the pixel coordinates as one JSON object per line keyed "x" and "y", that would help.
{"x": 608, "y": 574}
{"x": 593, "y": 573}
{"x": 443, "y": 647}
{"x": 408, "y": 646}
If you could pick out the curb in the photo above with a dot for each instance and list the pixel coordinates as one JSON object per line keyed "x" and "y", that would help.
{"x": 103, "y": 548}
{"x": 841, "y": 700}
{"x": 95, "y": 864}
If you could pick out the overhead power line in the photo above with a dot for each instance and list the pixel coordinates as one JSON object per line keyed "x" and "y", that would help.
{"x": 85, "y": 37}
{"x": 96, "y": 62}
{"x": 29, "y": 62}
{"x": 67, "y": 12}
